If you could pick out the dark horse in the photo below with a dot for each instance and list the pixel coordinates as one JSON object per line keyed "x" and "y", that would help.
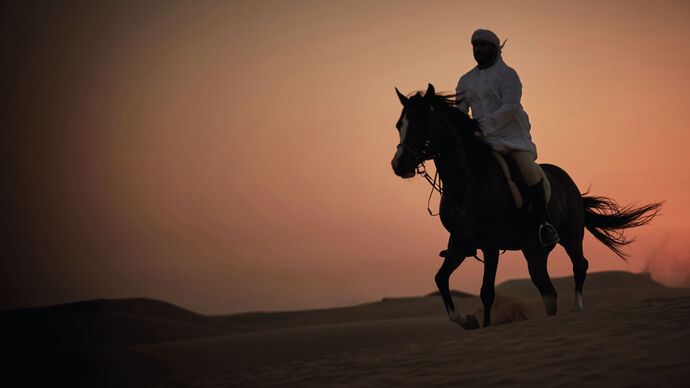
{"x": 478, "y": 210}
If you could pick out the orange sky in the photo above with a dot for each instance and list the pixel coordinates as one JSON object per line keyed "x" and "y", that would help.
{"x": 233, "y": 157}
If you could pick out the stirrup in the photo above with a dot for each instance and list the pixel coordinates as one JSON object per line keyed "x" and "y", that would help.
{"x": 470, "y": 253}
{"x": 551, "y": 230}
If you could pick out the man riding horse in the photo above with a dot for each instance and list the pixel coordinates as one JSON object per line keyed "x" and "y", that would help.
{"x": 476, "y": 205}
{"x": 493, "y": 90}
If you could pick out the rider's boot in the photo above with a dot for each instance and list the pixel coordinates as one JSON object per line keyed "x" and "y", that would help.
{"x": 547, "y": 233}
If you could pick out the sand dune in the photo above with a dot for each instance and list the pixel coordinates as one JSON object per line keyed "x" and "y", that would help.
{"x": 633, "y": 331}
{"x": 644, "y": 343}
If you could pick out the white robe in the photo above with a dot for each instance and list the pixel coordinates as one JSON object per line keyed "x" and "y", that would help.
{"x": 494, "y": 96}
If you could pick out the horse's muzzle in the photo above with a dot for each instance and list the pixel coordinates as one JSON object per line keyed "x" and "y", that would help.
{"x": 406, "y": 175}
{"x": 402, "y": 172}
{"x": 403, "y": 164}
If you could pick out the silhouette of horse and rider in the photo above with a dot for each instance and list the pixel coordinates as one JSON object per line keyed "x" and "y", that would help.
{"x": 478, "y": 207}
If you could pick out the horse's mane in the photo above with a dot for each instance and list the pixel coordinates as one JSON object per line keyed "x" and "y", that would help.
{"x": 465, "y": 126}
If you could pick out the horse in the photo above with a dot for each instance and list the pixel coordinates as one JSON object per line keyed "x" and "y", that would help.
{"x": 478, "y": 210}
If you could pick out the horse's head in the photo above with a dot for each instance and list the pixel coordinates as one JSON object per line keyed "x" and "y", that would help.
{"x": 418, "y": 139}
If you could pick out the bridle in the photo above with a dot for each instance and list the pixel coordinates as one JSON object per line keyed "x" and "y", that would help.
{"x": 420, "y": 167}
{"x": 421, "y": 156}
{"x": 424, "y": 154}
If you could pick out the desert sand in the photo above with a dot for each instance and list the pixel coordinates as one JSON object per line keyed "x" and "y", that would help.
{"x": 633, "y": 333}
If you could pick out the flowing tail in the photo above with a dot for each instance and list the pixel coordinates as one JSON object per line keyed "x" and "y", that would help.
{"x": 607, "y": 221}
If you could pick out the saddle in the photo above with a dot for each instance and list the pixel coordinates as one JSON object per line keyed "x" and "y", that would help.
{"x": 511, "y": 169}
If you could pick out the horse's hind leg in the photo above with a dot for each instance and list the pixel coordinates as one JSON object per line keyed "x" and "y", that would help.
{"x": 488, "y": 292}
{"x": 536, "y": 263}
{"x": 580, "y": 265}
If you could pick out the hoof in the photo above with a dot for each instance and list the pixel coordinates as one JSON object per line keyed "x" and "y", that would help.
{"x": 550, "y": 304}
{"x": 577, "y": 305}
{"x": 470, "y": 323}
{"x": 466, "y": 321}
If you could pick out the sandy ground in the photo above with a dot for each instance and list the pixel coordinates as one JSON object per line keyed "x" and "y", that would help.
{"x": 633, "y": 332}
{"x": 642, "y": 344}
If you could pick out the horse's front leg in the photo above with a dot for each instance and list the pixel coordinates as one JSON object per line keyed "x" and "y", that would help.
{"x": 488, "y": 292}
{"x": 451, "y": 263}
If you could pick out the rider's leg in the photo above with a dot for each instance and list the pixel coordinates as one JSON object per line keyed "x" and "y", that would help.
{"x": 547, "y": 233}
{"x": 528, "y": 168}
{"x": 535, "y": 193}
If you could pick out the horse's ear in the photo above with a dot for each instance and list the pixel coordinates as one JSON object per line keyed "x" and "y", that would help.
{"x": 403, "y": 99}
{"x": 430, "y": 91}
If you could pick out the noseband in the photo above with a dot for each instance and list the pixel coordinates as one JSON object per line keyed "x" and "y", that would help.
{"x": 421, "y": 156}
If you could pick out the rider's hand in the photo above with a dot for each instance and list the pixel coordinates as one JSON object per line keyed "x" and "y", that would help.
{"x": 479, "y": 134}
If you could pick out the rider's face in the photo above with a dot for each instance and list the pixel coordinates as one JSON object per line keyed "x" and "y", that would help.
{"x": 484, "y": 51}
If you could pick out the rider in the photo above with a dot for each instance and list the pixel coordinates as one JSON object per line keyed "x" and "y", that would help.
{"x": 493, "y": 91}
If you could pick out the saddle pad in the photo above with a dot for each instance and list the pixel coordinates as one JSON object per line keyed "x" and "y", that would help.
{"x": 517, "y": 196}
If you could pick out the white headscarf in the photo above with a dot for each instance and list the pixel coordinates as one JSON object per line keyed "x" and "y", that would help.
{"x": 490, "y": 37}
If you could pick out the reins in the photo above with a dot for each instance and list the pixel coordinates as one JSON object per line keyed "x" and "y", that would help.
{"x": 421, "y": 170}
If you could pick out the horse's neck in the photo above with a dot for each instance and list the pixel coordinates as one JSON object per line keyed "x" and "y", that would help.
{"x": 454, "y": 169}
{"x": 462, "y": 166}
{"x": 462, "y": 162}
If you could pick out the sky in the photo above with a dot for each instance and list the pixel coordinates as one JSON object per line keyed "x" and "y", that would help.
{"x": 235, "y": 156}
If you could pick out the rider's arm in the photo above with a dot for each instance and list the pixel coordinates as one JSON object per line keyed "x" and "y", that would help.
{"x": 511, "y": 92}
